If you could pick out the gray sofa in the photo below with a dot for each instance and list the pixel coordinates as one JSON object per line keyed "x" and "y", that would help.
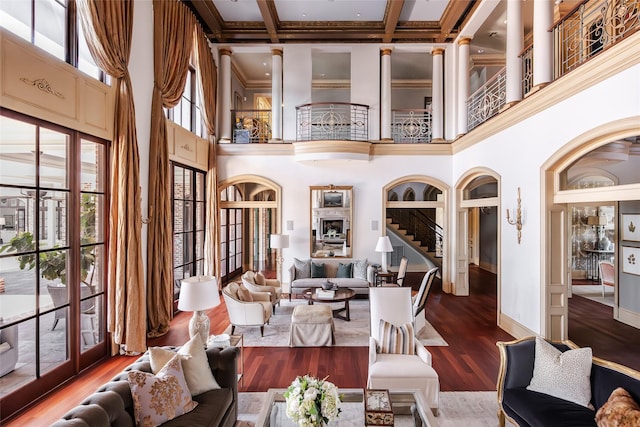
{"x": 112, "y": 404}
{"x": 359, "y": 285}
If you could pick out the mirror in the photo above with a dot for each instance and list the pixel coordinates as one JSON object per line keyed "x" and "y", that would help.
{"x": 331, "y": 221}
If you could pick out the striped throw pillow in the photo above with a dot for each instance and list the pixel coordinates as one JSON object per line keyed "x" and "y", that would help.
{"x": 396, "y": 339}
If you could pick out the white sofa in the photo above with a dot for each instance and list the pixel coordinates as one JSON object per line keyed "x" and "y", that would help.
{"x": 359, "y": 285}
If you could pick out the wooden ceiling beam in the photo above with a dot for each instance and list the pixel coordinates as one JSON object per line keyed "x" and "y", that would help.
{"x": 452, "y": 14}
{"x": 210, "y": 17}
{"x": 391, "y": 16}
{"x": 270, "y": 18}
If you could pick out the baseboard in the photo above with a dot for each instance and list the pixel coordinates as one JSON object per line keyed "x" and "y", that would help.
{"x": 514, "y": 328}
{"x": 489, "y": 267}
{"x": 629, "y": 317}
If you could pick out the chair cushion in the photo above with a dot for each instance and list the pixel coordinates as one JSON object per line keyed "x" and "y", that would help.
{"x": 302, "y": 268}
{"x": 396, "y": 339}
{"x": 540, "y": 409}
{"x": 566, "y": 375}
{"x": 317, "y": 270}
{"x": 245, "y": 295}
{"x": 260, "y": 279}
{"x": 400, "y": 366}
{"x": 162, "y": 397}
{"x": 619, "y": 411}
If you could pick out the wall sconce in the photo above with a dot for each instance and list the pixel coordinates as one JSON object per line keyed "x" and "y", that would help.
{"x": 517, "y": 221}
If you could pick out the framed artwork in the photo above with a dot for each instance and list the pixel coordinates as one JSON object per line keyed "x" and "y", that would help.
{"x": 631, "y": 227}
{"x": 332, "y": 199}
{"x": 631, "y": 260}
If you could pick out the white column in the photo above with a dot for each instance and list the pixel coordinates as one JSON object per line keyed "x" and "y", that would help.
{"x": 437, "y": 111}
{"x": 385, "y": 95}
{"x": 225, "y": 101}
{"x": 463, "y": 84}
{"x": 542, "y": 42}
{"x": 276, "y": 95}
{"x": 515, "y": 43}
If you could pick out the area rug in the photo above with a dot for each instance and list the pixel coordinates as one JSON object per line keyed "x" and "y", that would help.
{"x": 354, "y": 333}
{"x": 594, "y": 293}
{"x": 457, "y": 408}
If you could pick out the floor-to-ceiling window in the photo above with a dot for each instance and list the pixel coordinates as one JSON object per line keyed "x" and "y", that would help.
{"x": 189, "y": 207}
{"x": 231, "y": 233}
{"x": 53, "y": 203}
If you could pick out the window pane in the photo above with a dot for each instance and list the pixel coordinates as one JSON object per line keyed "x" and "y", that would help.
{"x": 188, "y": 246}
{"x": 19, "y": 298}
{"x": 178, "y": 182}
{"x": 200, "y": 215}
{"x": 15, "y": 16}
{"x": 91, "y": 220}
{"x": 188, "y": 180}
{"x": 200, "y": 186}
{"x": 178, "y": 259}
{"x": 186, "y": 114}
{"x": 25, "y": 370}
{"x": 54, "y": 147}
{"x": 17, "y": 145}
{"x": 52, "y": 225}
{"x": 92, "y": 268}
{"x": 91, "y": 321}
{"x": 54, "y": 345}
{"x": 188, "y": 216}
{"x": 178, "y": 213}
{"x": 92, "y": 156}
{"x": 50, "y": 27}
{"x": 86, "y": 63}
{"x": 199, "y": 244}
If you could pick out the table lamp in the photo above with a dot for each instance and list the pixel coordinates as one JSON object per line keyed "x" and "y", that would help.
{"x": 197, "y": 294}
{"x": 384, "y": 246}
{"x": 279, "y": 241}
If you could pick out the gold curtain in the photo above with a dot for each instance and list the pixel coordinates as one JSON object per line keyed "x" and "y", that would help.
{"x": 207, "y": 79}
{"x": 107, "y": 26}
{"x": 173, "y": 26}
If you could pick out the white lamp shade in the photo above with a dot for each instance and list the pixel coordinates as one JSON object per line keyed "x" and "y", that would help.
{"x": 198, "y": 293}
{"x": 279, "y": 241}
{"x": 384, "y": 244}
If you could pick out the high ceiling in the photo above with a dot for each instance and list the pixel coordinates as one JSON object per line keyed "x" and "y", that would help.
{"x": 407, "y": 24}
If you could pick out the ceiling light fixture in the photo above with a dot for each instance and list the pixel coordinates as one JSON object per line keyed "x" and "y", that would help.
{"x": 304, "y": 15}
{"x": 480, "y": 50}
{"x": 358, "y": 15}
{"x": 267, "y": 74}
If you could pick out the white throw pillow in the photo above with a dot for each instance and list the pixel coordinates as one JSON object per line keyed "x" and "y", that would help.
{"x": 360, "y": 268}
{"x": 197, "y": 371}
{"x": 565, "y": 375}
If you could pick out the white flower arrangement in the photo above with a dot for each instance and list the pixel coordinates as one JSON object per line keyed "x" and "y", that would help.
{"x": 312, "y": 402}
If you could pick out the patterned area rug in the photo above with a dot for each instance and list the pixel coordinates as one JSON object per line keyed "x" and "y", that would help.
{"x": 457, "y": 408}
{"x": 354, "y": 333}
{"x": 594, "y": 293}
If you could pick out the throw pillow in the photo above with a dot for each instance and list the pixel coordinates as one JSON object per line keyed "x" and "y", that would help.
{"x": 396, "y": 339}
{"x": 244, "y": 294}
{"x": 565, "y": 375}
{"x": 162, "y": 397}
{"x": 345, "y": 270}
{"x": 197, "y": 371}
{"x": 302, "y": 268}
{"x": 317, "y": 270}
{"x": 620, "y": 410}
{"x": 260, "y": 279}
{"x": 360, "y": 269}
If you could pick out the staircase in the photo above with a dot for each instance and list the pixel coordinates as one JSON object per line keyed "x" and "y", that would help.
{"x": 418, "y": 229}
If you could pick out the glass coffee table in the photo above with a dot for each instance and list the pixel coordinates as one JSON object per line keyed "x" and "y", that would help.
{"x": 409, "y": 408}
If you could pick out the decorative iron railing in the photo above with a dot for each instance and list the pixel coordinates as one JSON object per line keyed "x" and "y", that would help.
{"x": 251, "y": 126}
{"x": 332, "y": 121}
{"x": 487, "y": 101}
{"x": 411, "y": 126}
{"x": 590, "y": 28}
{"x": 527, "y": 69}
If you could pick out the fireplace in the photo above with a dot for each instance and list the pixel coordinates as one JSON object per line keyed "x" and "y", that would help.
{"x": 335, "y": 224}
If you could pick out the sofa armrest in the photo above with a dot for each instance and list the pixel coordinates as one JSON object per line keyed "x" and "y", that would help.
{"x": 373, "y": 350}
{"x": 292, "y": 273}
{"x": 261, "y": 296}
{"x": 223, "y": 363}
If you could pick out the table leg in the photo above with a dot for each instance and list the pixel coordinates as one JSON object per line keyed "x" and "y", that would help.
{"x": 345, "y": 316}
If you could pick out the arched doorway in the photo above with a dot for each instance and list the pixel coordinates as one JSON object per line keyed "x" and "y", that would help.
{"x": 478, "y": 227}
{"x": 423, "y": 209}
{"x": 249, "y": 214}
{"x": 610, "y": 150}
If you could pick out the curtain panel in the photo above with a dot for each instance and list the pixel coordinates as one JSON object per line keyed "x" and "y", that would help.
{"x": 107, "y": 26}
{"x": 173, "y": 29}
{"x": 207, "y": 79}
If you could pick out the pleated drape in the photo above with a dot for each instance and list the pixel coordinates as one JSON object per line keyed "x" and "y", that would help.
{"x": 207, "y": 79}
{"x": 107, "y": 26}
{"x": 173, "y": 27}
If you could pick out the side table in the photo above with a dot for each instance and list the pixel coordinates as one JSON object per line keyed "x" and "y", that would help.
{"x": 381, "y": 278}
{"x": 237, "y": 341}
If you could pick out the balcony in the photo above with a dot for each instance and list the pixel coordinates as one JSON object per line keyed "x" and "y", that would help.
{"x": 338, "y": 121}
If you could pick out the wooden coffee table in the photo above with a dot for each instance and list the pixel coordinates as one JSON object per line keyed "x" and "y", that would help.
{"x": 342, "y": 295}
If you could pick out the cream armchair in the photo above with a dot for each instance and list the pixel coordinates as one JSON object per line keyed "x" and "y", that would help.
{"x": 399, "y": 371}
{"x": 247, "y": 313}
{"x": 258, "y": 283}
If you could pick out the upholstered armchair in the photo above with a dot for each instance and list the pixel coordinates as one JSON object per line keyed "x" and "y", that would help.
{"x": 398, "y": 369}
{"x": 256, "y": 282}
{"x": 247, "y": 308}
{"x": 607, "y": 275}
{"x": 420, "y": 300}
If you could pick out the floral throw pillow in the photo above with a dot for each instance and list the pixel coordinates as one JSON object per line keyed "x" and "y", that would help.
{"x": 619, "y": 411}
{"x": 162, "y": 397}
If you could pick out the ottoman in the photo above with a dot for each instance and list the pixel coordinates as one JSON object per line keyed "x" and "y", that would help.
{"x": 311, "y": 326}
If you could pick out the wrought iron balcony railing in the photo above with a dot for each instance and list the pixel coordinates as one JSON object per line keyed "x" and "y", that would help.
{"x": 527, "y": 70}
{"x": 487, "y": 101}
{"x": 590, "y": 28}
{"x": 411, "y": 126}
{"x": 332, "y": 121}
{"x": 251, "y": 126}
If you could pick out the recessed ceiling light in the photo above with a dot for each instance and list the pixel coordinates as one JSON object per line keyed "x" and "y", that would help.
{"x": 267, "y": 74}
{"x": 322, "y": 74}
{"x": 358, "y": 15}
{"x": 304, "y": 15}
{"x": 480, "y": 50}
{"x": 504, "y": 22}
{"x": 264, "y": 63}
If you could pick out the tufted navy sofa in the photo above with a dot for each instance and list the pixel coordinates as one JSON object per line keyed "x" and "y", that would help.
{"x": 527, "y": 408}
{"x": 112, "y": 404}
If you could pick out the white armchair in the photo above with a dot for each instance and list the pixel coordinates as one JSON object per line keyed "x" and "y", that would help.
{"x": 399, "y": 371}
{"x": 420, "y": 300}
{"x": 258, "y": 283}
{"x": 247, "y": 313}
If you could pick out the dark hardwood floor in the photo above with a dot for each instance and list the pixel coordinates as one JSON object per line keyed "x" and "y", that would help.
{"x": 469, "y": 363}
